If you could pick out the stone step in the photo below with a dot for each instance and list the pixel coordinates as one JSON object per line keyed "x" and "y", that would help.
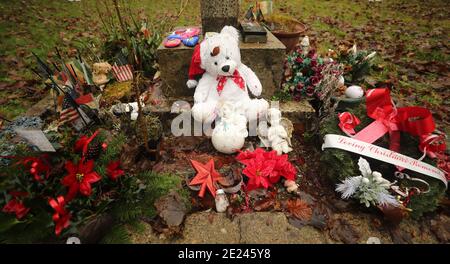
{"x": 301, "y": 113}
{"x": 259, "y": 227}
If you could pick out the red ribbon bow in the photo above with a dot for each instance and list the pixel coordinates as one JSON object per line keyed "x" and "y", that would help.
{"x": 236, "y": 77}
{"x": 348, "y": 122}
{"x": 414, "y": 120}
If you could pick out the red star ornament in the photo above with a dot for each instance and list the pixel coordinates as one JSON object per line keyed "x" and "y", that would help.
{"x": 206, "y": 176}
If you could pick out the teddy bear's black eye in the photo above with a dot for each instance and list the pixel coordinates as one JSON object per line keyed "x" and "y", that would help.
{"x": 215, "y": 63}
{"x": 227, "y": 57}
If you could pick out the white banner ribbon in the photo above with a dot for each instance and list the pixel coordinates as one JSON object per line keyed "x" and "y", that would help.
{"x": 382, "y": 154}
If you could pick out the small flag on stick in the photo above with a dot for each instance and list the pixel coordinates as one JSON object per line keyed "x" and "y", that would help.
{"x": 122, "y": 73}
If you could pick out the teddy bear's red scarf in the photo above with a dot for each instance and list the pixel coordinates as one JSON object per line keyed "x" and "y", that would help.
{"x": 236, "y": 77}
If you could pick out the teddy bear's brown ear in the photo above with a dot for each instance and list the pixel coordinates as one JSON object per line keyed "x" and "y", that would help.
{"x": 215, "y": 51}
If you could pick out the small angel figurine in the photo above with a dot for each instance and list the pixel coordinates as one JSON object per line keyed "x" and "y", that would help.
{"x": 278, "y": 135}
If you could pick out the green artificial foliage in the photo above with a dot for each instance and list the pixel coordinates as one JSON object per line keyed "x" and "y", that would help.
{"x": 148, "y": 187}
{"x": 303, "y": 75}
{"x": 117, "y": 235}
{"x": 356, "y": 65}
{"x": 37, "y": 225}
{"x": 338, "y": 164}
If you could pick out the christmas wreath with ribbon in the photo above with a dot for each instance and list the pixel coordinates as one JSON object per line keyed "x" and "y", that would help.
{"x": 390, "y": 138}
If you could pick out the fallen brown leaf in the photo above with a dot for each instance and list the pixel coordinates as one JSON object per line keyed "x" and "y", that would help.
{"x": 299, "y": 209}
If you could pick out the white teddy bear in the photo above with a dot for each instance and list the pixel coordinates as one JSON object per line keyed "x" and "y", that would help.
{"x": 225, "y": 78}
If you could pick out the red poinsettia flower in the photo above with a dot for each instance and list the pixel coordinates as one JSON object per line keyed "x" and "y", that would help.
{"x": 61, "y": 217}
{"x": 113, "y": 170}
{"x": 38, "y": 166}
{"x": 16, "y": 206}
{"x": 80, "y": 178}
{"x": 285, "y": 168}
{"x": 348, "y": 122}
{"x": 258, "y": 174}
{"x": 264, "y": 168}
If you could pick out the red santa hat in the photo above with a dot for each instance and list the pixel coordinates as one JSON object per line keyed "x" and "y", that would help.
{"x": 195, "y": 69}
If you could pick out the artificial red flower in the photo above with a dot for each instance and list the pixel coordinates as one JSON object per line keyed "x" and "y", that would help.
{"x": 15, "y": 206}
{"x": 348, "y": 122}
{"x": 433, "y": 145}
{"x": 61, "y": 217}
{"x": 444, "y": 164}
{"x": 80, "y": 178}
{"x": 38, "y": 167}
{"x": 315, "y": 80}
{"x": 81, "y": 145}
{"x": 309, "y": 91}
{"x": 285, "y": 168}
{"x": 258, "y": 174}
{"x": 264, "y": 168}
{"x": 113, "y": 170}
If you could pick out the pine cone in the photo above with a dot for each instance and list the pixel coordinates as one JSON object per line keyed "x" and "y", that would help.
{"x": 94, "y": 150}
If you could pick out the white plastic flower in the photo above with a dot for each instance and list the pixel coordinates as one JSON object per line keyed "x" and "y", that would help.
{"x": 370, "y": 187}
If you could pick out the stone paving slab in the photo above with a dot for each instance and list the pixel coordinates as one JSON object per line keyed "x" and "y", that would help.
{"x": 274, "y": 228}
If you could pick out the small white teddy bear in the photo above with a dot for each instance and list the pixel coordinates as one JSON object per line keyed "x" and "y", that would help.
{"x": 225, "y": 78}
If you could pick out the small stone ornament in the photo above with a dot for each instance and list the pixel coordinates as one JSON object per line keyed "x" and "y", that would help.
{"x": 172, "y": 43}
{"x": 191, "y": 42}
{"x": 278, "y": 135}
{"x": 123, "y": 108}
{"x": 291, "y": 186}
{"x": 305, "y": 45}
{"x": 354, "y": 92}
{"x": 221, "y": 201}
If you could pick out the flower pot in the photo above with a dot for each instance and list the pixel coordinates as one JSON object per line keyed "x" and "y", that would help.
{"x": 343, "y": 102}
{"x": 286, "y": 29}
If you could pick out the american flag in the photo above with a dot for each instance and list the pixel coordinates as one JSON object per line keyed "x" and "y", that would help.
{"x": 122, "y": 72}
{"x": 69, "y": 114}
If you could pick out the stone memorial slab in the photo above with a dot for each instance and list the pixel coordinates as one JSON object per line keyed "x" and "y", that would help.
{"x": 219, "y": 13}
{"x": 37, "y": 138}
{"x": 265, "y": 59}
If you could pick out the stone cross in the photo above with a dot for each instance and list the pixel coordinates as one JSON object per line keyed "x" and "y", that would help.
{"x": 219, "y": 13}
